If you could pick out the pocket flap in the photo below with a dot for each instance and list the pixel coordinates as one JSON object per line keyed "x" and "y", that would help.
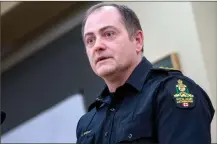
{"x": 134, "y": 130}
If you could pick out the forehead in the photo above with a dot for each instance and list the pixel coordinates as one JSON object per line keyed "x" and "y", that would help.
{"x": 102, "y": 17}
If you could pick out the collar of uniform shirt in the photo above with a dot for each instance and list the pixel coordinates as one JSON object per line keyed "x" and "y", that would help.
{"x": 136, "y": 80}
{"x": 139, "y": 75}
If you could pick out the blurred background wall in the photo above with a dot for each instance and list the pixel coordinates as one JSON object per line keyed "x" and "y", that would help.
{"x": 47, "y": 82}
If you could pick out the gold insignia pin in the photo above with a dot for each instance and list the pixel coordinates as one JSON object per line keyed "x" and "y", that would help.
{"x": 168, "y": 68}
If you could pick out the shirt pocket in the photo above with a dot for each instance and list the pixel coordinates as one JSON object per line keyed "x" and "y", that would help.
{"x": 135, "y": 132}
{"x": 86, "y": 139}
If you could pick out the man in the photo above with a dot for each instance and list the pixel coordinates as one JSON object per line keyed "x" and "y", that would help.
{"x": 140, "y": 104}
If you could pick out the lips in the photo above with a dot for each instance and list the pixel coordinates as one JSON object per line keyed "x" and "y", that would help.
{"x": 101, "y": 58}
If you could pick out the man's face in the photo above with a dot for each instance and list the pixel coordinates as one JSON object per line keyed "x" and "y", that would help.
{"x": 107, "y": 42}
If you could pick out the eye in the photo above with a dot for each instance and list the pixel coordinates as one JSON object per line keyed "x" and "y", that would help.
{"x": 90, "y": 41}
{"x": 109, "y": 34}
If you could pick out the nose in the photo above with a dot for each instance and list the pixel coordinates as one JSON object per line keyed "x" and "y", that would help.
{"x": 99, "y": 45}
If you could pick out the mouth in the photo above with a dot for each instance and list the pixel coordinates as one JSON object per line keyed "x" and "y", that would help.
{"x": 101, "y": 59}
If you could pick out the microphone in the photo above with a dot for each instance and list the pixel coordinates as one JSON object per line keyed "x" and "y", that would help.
{"x": 3, "y": 116}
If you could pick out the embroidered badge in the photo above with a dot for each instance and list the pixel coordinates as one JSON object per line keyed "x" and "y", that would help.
{"x": 183, "y": 98}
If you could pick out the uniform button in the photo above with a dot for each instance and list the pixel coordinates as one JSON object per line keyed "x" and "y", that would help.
{"x": 130, "y": 136}
{"x": 106, "y": 134}
{"x": 112, "y": 109}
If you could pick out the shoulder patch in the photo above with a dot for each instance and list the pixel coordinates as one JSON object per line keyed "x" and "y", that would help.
{"x": 183, "y": 98}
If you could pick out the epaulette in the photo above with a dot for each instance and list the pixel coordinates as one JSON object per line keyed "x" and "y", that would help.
{"x": 166, "y": 69}
{"x": 169, "y": 71}
{"x": 161, "y": 73}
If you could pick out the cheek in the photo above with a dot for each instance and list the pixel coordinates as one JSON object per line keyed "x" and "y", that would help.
{"x": 123, "y": 43}
{"x": 90, "y": 56}
{"x": 117, "y": 47}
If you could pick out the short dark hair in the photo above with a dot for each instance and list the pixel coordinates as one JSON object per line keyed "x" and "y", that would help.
{"x": 128, "y": 16}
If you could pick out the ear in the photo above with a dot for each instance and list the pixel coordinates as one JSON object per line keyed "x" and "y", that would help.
{"x": 139, "y": 39}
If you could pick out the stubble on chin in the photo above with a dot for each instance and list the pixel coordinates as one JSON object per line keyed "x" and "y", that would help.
{"x": 106, "y": 72}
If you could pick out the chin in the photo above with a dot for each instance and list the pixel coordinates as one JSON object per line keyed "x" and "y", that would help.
{"x": 105, "y": 71}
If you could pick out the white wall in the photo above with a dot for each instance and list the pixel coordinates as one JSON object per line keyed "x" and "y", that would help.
{"x": 206, "y": 21}
{"x": 171, "y": 27}
{"x": 56, "y": 125}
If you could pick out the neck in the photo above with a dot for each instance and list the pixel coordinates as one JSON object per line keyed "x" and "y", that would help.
{"x": 119, "y": 78}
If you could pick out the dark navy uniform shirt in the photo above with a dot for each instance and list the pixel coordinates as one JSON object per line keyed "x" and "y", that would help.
{"x": 155, "y": 105}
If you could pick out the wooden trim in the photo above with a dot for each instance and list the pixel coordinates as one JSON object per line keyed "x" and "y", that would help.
{"x": 174, "y": 59}
{"x": 38, "y": 42}
{"x": 29, "y": 20}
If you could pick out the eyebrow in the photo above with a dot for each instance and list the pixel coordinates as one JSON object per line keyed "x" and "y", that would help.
{"x": 102, "y": 29}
